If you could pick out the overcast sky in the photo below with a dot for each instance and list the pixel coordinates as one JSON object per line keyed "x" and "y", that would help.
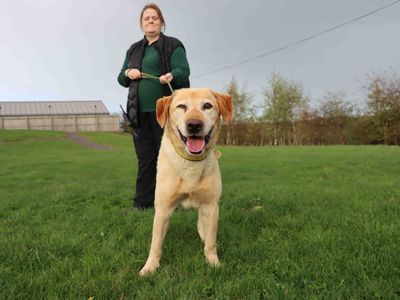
{"x": 74, "y": 49}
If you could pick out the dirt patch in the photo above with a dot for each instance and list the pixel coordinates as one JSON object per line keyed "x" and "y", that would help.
{"x": 85, "y": 142}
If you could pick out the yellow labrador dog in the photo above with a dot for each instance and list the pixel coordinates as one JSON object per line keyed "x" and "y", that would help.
{"x": 187, "y": 169}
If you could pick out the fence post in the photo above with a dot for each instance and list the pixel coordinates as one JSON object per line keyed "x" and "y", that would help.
{"x": 96, "y": 119}
{"x": 50, "y": 118}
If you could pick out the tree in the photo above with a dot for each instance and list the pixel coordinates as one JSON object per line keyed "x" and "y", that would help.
{"x": 242, "y": 101}
{"x": 384, "y": 104}
{"x": 336, "y": 113}
{"x": 284, "y": 101}
{"x": 243, "y": 111}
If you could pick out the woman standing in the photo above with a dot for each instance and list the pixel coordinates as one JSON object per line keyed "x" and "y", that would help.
{"x": 158, "y": 55}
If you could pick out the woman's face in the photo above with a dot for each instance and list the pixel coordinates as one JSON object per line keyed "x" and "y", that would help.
{"x": 151, "y": 23}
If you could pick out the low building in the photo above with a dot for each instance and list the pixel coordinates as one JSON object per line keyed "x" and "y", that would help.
{"x": 58, "y": 115}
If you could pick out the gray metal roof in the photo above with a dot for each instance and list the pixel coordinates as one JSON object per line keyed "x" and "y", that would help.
{"x": 51, "y": 108}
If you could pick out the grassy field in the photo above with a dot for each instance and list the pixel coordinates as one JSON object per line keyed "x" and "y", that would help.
{"x": 295, "y": 222}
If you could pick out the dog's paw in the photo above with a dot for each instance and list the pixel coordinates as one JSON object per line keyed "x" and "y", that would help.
{"x": 143, "y": 272}
{"x": 148, "y": 269}
{"x": 213, "y": 260}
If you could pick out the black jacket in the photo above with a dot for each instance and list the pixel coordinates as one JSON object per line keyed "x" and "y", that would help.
{"x": 166, "y": 46}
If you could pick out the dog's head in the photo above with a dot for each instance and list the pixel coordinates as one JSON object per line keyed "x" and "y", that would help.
{"x": 194, "y": 117}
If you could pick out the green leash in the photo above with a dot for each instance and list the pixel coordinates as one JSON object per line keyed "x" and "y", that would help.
{"x": 149, "y": 76}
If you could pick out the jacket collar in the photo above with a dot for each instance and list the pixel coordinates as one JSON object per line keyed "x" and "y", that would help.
{"x": 156, "y": 42}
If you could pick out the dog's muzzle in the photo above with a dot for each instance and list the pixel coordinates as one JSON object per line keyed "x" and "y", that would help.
{"x": 195, "y": 144}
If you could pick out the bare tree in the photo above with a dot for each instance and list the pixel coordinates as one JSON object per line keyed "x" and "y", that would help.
{"x": 336, "y": 113}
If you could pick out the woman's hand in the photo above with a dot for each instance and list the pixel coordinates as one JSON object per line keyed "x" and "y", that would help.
{"x": 133, "y": 74}
{"x": 164, "y": 79}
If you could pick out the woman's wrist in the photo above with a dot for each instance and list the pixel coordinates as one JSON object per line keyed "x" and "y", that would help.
{"x": 127, "y": 72}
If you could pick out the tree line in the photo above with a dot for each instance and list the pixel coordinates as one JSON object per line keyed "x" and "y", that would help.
{"x": 287, "y": 117}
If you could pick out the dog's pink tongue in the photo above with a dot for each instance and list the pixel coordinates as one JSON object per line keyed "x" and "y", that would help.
{"x": 195, "y": 145}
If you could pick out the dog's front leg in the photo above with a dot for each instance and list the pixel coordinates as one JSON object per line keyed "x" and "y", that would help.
{"x": 160, "y": 226}
{"x": 208, "y": 218}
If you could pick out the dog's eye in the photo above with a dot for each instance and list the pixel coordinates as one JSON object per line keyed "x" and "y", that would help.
{"x": 207, "y": 106}
{"x": 183, "y": 106}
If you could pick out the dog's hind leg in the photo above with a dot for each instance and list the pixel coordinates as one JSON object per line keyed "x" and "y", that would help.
{"x": 160, "y": 227}
{"x": 208, "y": 220}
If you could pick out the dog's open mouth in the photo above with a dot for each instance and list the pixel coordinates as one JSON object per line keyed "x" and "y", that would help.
{"x": 195, "y": 144}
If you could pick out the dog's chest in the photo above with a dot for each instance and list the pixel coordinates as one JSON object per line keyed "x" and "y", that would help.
{"x": 192, "y": 172}
{"x": 192, "y": 186}
{"x": 190, "y": 178}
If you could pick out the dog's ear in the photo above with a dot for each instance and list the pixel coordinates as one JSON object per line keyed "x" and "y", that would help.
{"x": 225, "y": 105}
{"x": 162, "y": 110}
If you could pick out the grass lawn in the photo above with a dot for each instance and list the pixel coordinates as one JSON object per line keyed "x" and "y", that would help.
{"x": 295, "y": 222}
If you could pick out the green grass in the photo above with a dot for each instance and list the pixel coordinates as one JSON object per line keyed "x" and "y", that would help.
{"x": 295, "y": 222}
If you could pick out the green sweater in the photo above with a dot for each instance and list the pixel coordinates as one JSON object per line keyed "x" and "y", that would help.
{"x": 150, "y": 90}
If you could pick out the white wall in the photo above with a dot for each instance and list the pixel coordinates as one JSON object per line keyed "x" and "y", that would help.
{"x": 62, "y": 123}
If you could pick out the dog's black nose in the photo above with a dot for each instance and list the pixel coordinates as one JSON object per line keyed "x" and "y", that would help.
{"x": 194, "y": 126}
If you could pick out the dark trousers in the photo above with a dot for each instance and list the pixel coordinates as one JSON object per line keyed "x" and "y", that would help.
{"x": 147, "y": 145}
